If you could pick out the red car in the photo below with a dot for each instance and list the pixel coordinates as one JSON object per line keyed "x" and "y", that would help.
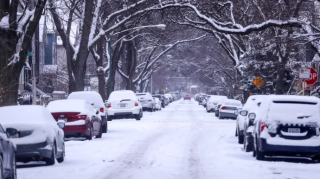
{"x": 81, "y": 118}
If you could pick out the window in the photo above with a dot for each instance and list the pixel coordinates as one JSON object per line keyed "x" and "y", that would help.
{"x": 48, "y": 52}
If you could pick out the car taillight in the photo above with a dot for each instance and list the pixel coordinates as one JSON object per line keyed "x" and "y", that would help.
{"x": 223, "y": 107}
{"x": 109, "y": 105}
{"x": 80, "y": 116}
{"x": 200, "y": 101}
{"x": 102, "y": 110}
{"x": 218, "y": 107}
{"x": 184, "y": 96}
{"x": 136, "y": 104}
{"x": 262, "y": 126}
{"x": 149, "y": 100}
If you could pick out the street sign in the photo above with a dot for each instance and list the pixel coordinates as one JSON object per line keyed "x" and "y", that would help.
{"x": 309, "y": 88}
{"x": 258, "y": 82}
{"x": 304, "y": 73}
{"x": 313, "y": 77}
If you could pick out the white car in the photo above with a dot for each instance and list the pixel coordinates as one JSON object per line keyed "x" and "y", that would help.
{"x": 96, "y": 100}
{"x": 228, "y": 108}
{"x": 146, "y": 101}
{"x": 35, "y": 133}
{"x": 287, "y": 125}
{"x": 213, "y": 102}
{"x": 240, "y": 121}
{"x": 169, "y": 96}
{"x": 158, "y": 103}
{"x": 124, "y": 104}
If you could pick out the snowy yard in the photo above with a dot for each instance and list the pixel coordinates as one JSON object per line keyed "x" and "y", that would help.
{"x": 181, "y": 141}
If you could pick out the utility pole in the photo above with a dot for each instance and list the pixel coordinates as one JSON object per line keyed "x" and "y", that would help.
{"x": 34, "y": 92}
{"x": 151, "y": 83}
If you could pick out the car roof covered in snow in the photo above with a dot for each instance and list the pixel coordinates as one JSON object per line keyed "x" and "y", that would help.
{"x": 31, "y": 113}
{"x": 122, "y": 94}
{"x": 90, "y": 96}
{"x": 69, "y": 105}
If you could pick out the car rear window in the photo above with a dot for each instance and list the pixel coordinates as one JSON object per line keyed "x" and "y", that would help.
{"x": 141, "y": 94}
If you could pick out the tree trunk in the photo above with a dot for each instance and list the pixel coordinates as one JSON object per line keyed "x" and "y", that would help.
{"x": 280, "y": 77}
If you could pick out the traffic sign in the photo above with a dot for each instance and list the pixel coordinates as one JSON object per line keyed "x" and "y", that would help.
{"x": 313, "y": 77}
{"x": 309, "y": 88}
{"x": 258, "y": 82}
{"x": 304, "y": 73}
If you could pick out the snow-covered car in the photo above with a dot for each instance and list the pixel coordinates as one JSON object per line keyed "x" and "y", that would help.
{"x": 80, "y": 117}
{"x": 213, "y": 102}
{"x": 228, "y": 108}
{"x": 146, "y": 101}
{"x": 158, "y": 103}
{"x": 250, "y": 104}
{"x": 93, "y": 98}
{"x": 162, "y": 99}
{"x": 201, "y": 99}
{"x": 7, "y": 154}
{"x": 124, "y": 104}
{"x": 35, "y": 133}
{"x": 169, "y": 96}
{"x": 287, "y": 126}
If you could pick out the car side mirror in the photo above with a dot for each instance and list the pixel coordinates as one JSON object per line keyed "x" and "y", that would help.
{"x": 252, "y": 116}
{"x": 11, "y": 131}
{"x": 243, "y": 113}
{"x": 61, "y": 124}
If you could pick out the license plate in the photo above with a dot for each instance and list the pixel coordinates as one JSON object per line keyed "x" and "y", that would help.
{"x": 63, "y": 119}
{"x": 293, "y": 130}
{"x": 14, "y": 136}
{"x": 123, "y": 105}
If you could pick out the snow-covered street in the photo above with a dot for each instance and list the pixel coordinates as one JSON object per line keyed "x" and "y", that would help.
{"x": 181, "y": 141}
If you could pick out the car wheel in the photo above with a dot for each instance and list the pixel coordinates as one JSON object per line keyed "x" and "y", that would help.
{"x": 14, "y": 167}
{"x": 61, "y": 159}
{"x": 138, "y": 116}
{"x": 100, "y": 133}
{"x": 91, "y": 134}
{"x": 52, "y": 160}
{"x": 220, "y": 117}
{"x": 240, "y": 137}
{"x": 104, "y": 126}
{"x": 151, "y": 110}
{"x": 245, "y": 144}
{"x": 259, "y": 155}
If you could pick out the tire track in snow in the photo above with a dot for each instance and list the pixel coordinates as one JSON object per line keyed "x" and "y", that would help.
{"x": 124, "y": 167}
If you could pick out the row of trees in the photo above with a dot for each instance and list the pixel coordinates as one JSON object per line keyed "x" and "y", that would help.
{"x": 232, "y": 41}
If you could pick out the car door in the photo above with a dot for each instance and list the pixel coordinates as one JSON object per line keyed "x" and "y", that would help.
{"x": 5, "y": 143}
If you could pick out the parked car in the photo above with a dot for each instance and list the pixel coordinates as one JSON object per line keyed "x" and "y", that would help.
{"x": 124, "y": 104}
{"x": 187, "y": 97}
{"x": 287, "y": 126}
{"x": 80, "y": 117}
{"x": 95, "y": 99}
{"x": 250, "y": 104}
{"x": 162, "y": 99}
{"x": 248, "y": 124}
{"x": 169, "y": 96}
{"x": 205, "y": 100}
{"x": 7, "y": 155}
{"x": 158, "y": 103}
{"x": 167, "y": 99}
{"x": 228, "y": 109}
{"x": 213, "y": 102}
{"x": 201, "y": 98}
{"x": 217, "y": 109}
{"x": 34, "y": 132}
{"x": 147, "y": 102}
